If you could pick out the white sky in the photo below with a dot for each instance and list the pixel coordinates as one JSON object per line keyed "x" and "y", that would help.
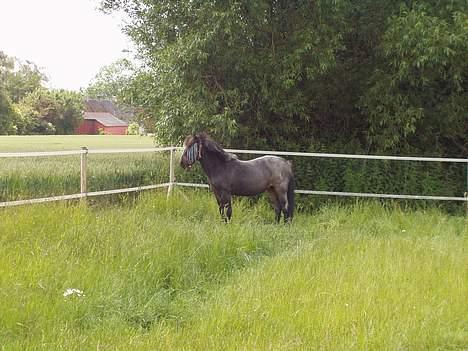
{"x": 70, "y": 40}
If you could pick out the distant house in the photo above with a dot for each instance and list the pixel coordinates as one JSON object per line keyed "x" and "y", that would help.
{"x": 103, "y": 116}
{"x": 101, "y": 122}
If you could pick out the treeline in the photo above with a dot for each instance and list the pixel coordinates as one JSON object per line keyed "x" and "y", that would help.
{"x": 28, "y": 107}
{"x": 373, "y": 75}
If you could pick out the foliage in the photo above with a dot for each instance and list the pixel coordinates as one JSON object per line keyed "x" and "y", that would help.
{"x": 280, "y": 73}
{"x": 111, "y": 81}
{"x": 133, "y": 129}
{"x": 19, "y": 78}
{"x": 167, "y": 274}
{"x": 420, "y": 99}
{"x": 8, "y": 114}
{"x": 129, "y": 86}
{"x": 372, "y": 76}
{"x": 230, "y": 67}
{"x": 50, "y": 112}
{"x": 26, "y": 107}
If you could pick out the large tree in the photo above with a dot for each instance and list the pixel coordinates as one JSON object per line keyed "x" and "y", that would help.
{"x": 111, "y": 81}
{"x": 417, "y": 93}
{"x": 234, "y": 68}
{"x": 19, "y": 78}
{"x": 367, "y": 75}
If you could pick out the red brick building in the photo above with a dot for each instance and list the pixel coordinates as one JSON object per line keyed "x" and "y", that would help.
{"x": 101, "y": 122}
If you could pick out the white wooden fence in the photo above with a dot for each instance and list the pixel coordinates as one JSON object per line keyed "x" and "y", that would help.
{"x": 172, "y": 181}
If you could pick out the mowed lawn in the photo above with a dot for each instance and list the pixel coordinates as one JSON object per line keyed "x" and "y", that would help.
{"x": 72, "y": 142}
{"x": 158, "y": 274}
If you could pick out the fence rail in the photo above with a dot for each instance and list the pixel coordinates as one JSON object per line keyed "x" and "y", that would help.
{"x": 349, "y": 156}
{"x": 172, "y": 181}
{"x": 82, "y": 151}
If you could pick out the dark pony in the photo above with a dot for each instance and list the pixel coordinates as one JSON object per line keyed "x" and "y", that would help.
{"x": 227, "y": 175}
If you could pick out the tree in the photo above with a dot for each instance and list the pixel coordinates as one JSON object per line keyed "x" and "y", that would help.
{"x": 234, "y": 68}
{"x": 19, "y": 78}
{"x": 111, "y": 81}
{"x": 417, "y": 95}
{"x": 362, "y": 76}
{"x": 130, "y": 86}
{"x": 50, "y": 112}
{"x": 8, "y": 114}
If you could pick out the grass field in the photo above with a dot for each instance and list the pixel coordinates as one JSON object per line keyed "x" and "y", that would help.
{"x": 72, "y": 142}
{"x": 26, "y": 178}
{"x": 167, "y": 274}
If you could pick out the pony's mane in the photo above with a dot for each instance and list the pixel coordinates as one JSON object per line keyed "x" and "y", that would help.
{"x": 212, "y": 146}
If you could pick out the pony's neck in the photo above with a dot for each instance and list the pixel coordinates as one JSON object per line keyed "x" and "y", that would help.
{"x": 212, "y": 164}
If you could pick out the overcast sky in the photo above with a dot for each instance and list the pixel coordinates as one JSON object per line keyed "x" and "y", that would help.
{"x": 70, "y": 40}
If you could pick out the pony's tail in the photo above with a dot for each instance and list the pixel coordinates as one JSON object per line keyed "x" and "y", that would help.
{"x": 291, "y": 203}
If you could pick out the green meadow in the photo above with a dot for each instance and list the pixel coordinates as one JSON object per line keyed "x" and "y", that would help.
{"x": 158, "y": 274}
{"x": 72, "y": 142}
{"x": 33, "y": 177}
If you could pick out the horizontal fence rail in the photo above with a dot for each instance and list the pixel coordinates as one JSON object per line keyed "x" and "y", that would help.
{"x": 40, "y": 153}
{"x": 172, "y": 181}
{"x": 81, "y": 195}
{"x": 349, "y": 156}
{"x": 82, "y": 151}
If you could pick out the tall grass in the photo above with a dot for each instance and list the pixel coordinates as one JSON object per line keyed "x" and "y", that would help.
{"x": 168, "y": 274}
{"x": 24, "y": 178}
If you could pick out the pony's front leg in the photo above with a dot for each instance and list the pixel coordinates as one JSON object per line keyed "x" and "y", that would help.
{"x": 224, "y": 203}
{"x": 225, "y": 207}
{"x": 225, "y": 210}
{"x": 229, "y": 210}
{"x": 221, "y": 212}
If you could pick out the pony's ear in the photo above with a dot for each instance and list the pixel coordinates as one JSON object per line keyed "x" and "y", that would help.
{"x": 191, "y": 139}
{"x": 213, "y": 147}
{"x": 200, "y": 136}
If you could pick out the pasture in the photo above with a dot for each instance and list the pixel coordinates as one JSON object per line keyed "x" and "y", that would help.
{"x": 24, "y": 178}
{"x": 72, "y": 142}
{"x": 152, "y": 273}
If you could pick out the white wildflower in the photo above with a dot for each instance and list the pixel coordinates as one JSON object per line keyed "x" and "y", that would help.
{"x": 72, "y": 291}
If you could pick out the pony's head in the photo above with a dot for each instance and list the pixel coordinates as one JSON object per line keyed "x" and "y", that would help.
{"x": 200, "y": 146}
{"x": 192, "y": 151}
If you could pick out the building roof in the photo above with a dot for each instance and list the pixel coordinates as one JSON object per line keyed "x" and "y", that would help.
{"x": 122, "y": 112}
{"x": 105, "y": 118}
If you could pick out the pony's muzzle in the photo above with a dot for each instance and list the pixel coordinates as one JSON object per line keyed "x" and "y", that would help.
{"x": 184, "y": 163}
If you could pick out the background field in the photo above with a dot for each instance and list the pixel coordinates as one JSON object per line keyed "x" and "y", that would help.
{"x": 25, "y": 178}
{"x": 72, "y": 142}
{"x": 167, "y": 274}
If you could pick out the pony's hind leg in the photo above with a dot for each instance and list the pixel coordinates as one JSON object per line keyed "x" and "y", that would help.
{"x": 275, "y": 203}
{"x": 283, "y": 202}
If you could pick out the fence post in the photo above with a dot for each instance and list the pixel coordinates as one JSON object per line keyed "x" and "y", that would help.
{"x": 83, "y": 169}
{"x": 466, "y": 192}
{"x": 171, "y": 172}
